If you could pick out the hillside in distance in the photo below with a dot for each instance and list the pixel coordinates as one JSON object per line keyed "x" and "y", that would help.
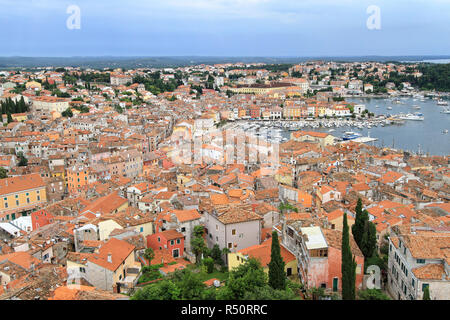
{"x": 176, "y": 61}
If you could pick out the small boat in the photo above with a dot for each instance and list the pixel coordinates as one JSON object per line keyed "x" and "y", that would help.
{"x": 350, "y": 135}
{"x": 442, "y": 103}
{"x": 445, "y": 131}
{"x": 416, "y": 107}
{"x": 389, "y": 108}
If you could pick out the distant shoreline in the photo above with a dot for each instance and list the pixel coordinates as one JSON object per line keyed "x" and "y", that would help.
{"x": 97, "y": 62}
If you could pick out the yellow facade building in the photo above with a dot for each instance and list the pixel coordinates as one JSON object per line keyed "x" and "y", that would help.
{"x": 20, "y": 195}
{"x": 321, "y": 138}
{"x": 262, "y": 253}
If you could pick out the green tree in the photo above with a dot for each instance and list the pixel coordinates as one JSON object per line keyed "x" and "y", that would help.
{"x": 23, "y": 162}
{"x": 208, "y": 262}
{"x": 198, "y": 243}
{"x": 360, "y": 219}
{"x": 372, "y": 294}
{"x": 277, "y": 276}
{"x": 316, "y": 293}
{"x": 348, "y": 267}
{"x": 369, "y": 239}
{"x": 67, "y": 113}
{"x": 149, "y": 254}
{"x": 216, "y": 254}
{"x": 426, "y": 293}
{"x": 243, "y": 279}
{"x": 161, "y": 290}
{"x": 191, "y": 286}
{"x": 3, "y": 173}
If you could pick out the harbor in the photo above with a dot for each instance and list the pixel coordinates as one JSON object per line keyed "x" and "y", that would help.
{"x": 416, "y": 124}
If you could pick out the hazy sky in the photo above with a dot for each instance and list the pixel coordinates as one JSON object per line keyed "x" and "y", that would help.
{"x": 224, "y": 28}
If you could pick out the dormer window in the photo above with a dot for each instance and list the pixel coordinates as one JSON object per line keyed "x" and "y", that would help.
{"x": 290, "y": 232}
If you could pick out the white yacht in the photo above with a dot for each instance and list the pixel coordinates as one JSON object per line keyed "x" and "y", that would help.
{"x": 409, "y": 116}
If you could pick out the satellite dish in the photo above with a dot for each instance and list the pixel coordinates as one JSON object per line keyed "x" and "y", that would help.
{"x": 216, "y": 283}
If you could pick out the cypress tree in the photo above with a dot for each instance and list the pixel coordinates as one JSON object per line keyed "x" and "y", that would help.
{"x": 353, "y": 291}
{"x": 358, "y": 208}
{"x": 426, "y": 293}
{"x": 277, "y": 276}
{"x": 23, "y": 106}
{"x": 348, "y": 265}
{"x": 369, "y": 239}
{"x": 358, "y": 226}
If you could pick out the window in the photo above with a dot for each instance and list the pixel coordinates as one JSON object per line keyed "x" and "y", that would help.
{"x": 233, "y": 232}
{"x": 39, "y": 198}
{"x": 183, "y": 229}
{"x": 172, "y": 242}
{"x": 142, "y": 229}
{"x": 420, "y": 260}
{"x": 178, "y": 241}
{"x": 425, "y": 285}
{"x": 230, "y": 245}
{"x": 159, "y": 239}
{"x": 412, "y": 282}
{"x": 290, "y": 232}
{"x": 17, "y": 202}
{"x": 82, "y": 270}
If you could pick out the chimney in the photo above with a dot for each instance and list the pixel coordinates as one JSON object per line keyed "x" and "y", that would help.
{"x": 109, "y": 257}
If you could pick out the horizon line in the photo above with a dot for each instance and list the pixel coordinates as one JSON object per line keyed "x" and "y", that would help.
{"x": 230, "y": 56}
